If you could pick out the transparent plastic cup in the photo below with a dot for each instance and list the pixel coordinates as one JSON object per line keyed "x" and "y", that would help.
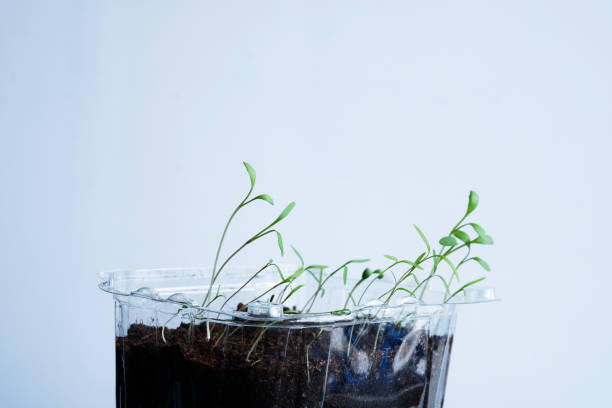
{"x": 172, "y": 352}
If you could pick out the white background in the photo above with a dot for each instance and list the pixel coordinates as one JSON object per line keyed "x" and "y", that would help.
{"x": 123, "y": 126}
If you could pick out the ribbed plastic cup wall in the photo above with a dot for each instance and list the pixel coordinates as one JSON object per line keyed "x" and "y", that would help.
{"x": 171, "y": 352}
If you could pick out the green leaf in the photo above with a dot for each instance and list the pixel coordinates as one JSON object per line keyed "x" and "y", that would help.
{"x": 356, "y": 261}
{"x": 345, "y": 275}
{"x": 482, "y": 263}
{"x": 391, "y": 257}
{"x": 419, "y": 258}
{"x": 484, "y": 240}
{"x": 367, "y": 272}
{"x": 278, "y": 219}
{"x": 448, "y": 241}
{"x": 317, "y": 267}
{"x": 462, "y": 235}
{"x": 465, "y": 286}
{"x": 264, "y": 197}
{"x": 423, "y": 237}
{"x": 280, "y": 243}
{"x": 298, "y": 255}
{"x": 251, "y": 172}
{"x": 322, "y": 292}
{"x": 472, "y": 202}
{"x": 477, "y": 229}
{"x": 285, "y": 212}
{"x": 295, "y": 275}
{"x": 278, "y": 269}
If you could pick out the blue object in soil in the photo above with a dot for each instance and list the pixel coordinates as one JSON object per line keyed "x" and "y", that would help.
{"x": 392, "y": 337}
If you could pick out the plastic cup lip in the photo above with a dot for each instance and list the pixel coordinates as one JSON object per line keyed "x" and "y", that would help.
{"x": 110, "y": 282}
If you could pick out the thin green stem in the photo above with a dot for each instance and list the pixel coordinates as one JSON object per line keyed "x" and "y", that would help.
{"x": 249, "y": 241}
{"x": 350, "y": 295}
{"x": 253, "y": 239}
{"x": 229, "y": 221}
{"x": 268, "y": 291}
{"x": 366, "y": 289}
{"x": 410, "y": 271}
{"x": 395, "y": 287}
{"x": 433, "y": 272}
{"x": 213, "y": 276}
{"x": 321, "y": 284}
{"x": 450, "y": 280}
{"x": 460, "y": 221}
{"x": 245, "y": 283}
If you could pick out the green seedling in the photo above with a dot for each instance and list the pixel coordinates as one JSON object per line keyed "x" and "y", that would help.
{"x": 408, "y": 277}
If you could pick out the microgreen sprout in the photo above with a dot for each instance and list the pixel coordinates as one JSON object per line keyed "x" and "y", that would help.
{"x": 406, "y": 276}
{"x": 262, "y": 233}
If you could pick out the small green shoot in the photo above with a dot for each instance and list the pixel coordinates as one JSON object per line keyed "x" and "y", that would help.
{"x": 410, "y": 276}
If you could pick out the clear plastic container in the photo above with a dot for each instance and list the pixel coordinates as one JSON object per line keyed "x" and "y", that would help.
{"x": 171, "y": 352}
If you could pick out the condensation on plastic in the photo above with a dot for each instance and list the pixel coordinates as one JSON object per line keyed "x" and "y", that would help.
{"x": 375, "y": 355}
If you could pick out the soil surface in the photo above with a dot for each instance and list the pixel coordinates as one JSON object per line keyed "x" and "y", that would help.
{"x": 382, "y": 365}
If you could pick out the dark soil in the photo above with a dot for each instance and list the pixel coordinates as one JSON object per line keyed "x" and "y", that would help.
{"x": 387, "y": 366}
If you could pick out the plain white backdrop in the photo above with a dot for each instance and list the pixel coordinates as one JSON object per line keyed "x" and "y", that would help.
{"x": 123, "y": 126}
